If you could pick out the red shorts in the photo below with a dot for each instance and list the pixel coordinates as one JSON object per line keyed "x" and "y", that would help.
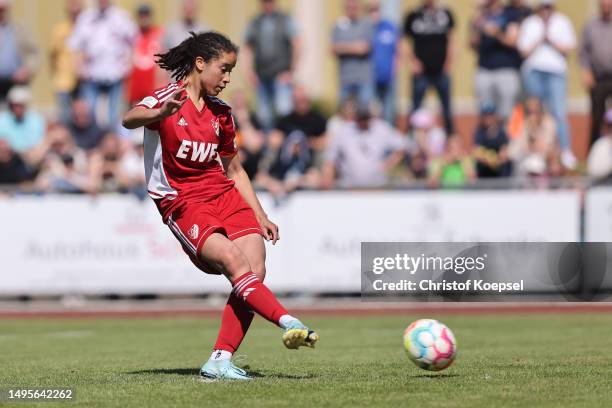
{"x": 227, "y": 214}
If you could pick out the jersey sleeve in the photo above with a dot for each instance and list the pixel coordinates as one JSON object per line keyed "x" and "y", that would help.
{"x": 228, "y": 146}
{"x": 150, "y": 102}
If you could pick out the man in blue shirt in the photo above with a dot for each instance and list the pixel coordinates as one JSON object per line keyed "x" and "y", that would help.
{"x": 22, "y": 128}
{"x": 384, "y": 48}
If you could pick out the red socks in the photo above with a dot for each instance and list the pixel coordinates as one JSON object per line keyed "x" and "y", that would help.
{"x": 258, "y": 297}
{"x": 235, "y": 322}
{"x": 248, "y": 294}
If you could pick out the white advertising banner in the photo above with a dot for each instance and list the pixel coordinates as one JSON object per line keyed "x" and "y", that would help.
{"x": 118, "y": 244}
{"x": 598, "y": 215}
{"x": 325, "y": 231}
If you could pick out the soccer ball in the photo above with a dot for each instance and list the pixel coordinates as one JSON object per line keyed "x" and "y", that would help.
{"x": 430, "y": 344}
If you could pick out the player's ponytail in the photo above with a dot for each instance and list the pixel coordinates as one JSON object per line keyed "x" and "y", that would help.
{"x": 180, "y": 60}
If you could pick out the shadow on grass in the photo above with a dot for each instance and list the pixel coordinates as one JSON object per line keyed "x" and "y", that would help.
{"x": 178, "y": 371}
{"x": 196, "y": 372}
{"x": 435, "y": 376}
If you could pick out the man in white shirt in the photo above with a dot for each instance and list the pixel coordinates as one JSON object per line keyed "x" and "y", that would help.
{"x": 362, "y": 154}
{"x": 103, "y": 38}
{"x": 545, "y": 40}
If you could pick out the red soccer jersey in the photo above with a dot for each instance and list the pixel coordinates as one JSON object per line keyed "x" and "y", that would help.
{"x": 182, "y": 151}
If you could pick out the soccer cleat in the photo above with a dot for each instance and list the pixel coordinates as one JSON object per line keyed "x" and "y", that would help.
{"x": 215, "y": 370}
{"x": 297, "y": 335}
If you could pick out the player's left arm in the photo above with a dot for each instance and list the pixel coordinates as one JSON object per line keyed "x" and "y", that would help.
{"x": 235, "y": 172}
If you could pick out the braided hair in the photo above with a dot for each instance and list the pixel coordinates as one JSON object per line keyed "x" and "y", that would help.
{"x": 180, "y": 60}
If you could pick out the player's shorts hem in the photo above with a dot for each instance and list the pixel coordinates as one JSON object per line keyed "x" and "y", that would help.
{"x": 246, "y": 231}
{"x": 207, "y": 233}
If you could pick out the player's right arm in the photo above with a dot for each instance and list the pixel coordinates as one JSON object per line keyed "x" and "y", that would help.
{"x": 143, "y": 114}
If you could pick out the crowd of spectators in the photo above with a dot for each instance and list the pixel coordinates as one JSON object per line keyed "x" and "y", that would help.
{"x": 102, "y": 60}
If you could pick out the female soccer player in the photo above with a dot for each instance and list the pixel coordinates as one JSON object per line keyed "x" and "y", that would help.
{"x": 204, "y": 194}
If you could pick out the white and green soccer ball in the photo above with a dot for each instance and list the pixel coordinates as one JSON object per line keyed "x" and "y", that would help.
{"x": 430, "y": 344}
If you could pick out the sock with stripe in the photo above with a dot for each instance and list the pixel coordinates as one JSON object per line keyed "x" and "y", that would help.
{"x": 235, "y": 322}
{"x": 258, "y": 297}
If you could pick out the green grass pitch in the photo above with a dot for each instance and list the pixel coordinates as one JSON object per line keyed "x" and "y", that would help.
{"x": 547, "y": 360}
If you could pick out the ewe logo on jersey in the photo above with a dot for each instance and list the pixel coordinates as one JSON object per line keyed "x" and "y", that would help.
{"x": 197, "y": 151}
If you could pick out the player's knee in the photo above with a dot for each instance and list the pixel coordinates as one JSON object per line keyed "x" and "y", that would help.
{"x": 259, "y": 269}
{"x": 233, "y": 261}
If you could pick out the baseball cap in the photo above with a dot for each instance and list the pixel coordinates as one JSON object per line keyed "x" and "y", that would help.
{"x": 19, "y": 94}
{"x": 547, "y": 3}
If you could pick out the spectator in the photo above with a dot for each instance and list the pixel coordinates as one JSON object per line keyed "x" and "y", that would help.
{"x": 106, "y": 164}
{"x": 63, "y": 65}
{"x": 491, "y": 145}
{"x": 535, "y": 141}
{"x": 19, "y": 54}
{"x": 596, "y": 63}
{"x": 249, "y": 135}
{"x": 351, "y": 44}
{"x": 293, "y": 168}
{"x": 545, "y": 40}
{"x": 83, "y": 127}
{"x": 599, "y": 163}
{"x": 362, "y": 154}
{"x": 431, "y": 29}
{"x": 426, "y": 142}
{"x": 309, "y": 121}
{"x": 454, "y": 168}
{"x": 131, "y": 177}
{"x": 178, "y": 31}
{"x": 345, "y": 117}
{"x": 384, "y": 57}
{"x": 13, "y": 169}
{"x": 22, "y": 127}
{"x": 145, "y": 75}
{"x": 493, "y": 35}
{"x": 65, "y": 168}
{"x": 104, "y": 39}
{"x": 272, "y": 53}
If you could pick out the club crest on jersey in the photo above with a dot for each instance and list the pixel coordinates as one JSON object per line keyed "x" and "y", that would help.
{"x": 194, "y": 231}
{"x": 215, "y": 125}
{"x": 182, "y": 122}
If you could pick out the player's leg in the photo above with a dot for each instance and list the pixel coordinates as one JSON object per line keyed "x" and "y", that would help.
{"x": 228, "y": 257}
{"x": 237, "y": 316}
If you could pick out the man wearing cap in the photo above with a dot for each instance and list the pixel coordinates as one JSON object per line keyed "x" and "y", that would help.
{"x": 596, "y": 63}
{"x": 23, "y": 128}
{"x": 599, "y": 163}
{"x": 545, "y": 41}
{"x": 19, "y": 55}
{"x": 491, "y": 145}
{"x": 363, "y": 153}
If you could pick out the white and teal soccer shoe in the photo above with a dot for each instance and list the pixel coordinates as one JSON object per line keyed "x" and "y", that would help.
{"x": 215, "y": 370}
{"x": 297, "y": 335}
